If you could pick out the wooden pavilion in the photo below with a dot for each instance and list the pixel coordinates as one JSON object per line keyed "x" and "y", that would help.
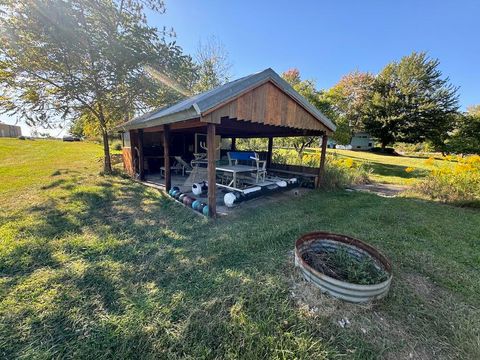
{"x": 261, "y": 105}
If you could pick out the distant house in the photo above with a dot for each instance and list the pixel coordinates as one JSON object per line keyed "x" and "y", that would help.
{"x": 362, "y": 141}
{"x": 7, "y": 130}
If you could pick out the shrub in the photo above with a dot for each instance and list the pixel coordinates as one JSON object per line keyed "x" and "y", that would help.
{"x": 405, "y": 148}
{"x": 456, "y": 182}
{"x": 116, "y": 145}
{"x": 339, "y": 172}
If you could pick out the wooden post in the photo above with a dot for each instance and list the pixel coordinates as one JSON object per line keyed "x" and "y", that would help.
{"x": 321, "y": 169}
{"x": 269, "y": 152}
{"x": 129, "y": 163}
{"x": 234, "y": 144}
{"x": 141, "y": 159}
{"x": 212, "y": 200}
{"x": 166, "y": 156}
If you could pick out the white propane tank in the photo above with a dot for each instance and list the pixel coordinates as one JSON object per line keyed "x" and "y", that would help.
{"x": 229, "y": 199}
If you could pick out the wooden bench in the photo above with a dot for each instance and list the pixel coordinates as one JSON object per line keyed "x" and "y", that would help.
{"x": 307, "y": 180}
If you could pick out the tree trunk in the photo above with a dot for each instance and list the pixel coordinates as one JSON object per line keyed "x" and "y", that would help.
{"x": 107, "y": 165}
{"x": 300, "y": 156}
{"x": 384, "y": 145}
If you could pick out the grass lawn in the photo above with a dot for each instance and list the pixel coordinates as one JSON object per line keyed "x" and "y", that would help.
{"x": 102, "y": 267}
{"x": 391, "y": 169}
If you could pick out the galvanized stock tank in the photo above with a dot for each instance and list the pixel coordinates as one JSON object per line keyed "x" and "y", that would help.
{"x": 340, "y": 289}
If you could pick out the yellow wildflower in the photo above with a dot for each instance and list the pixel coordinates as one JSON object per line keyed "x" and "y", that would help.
{"x": 430, "y": 161}
{"x": 348, "y": 162}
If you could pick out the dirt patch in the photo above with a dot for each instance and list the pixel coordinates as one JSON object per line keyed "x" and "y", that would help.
{"x": 313, "y": 302}
{"x": 381, "y": 189}
{"x": 420, "y": 285}
{"x": 392, "y": 337}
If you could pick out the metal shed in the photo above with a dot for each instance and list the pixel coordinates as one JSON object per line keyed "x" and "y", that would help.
{"x": 7, "y": 130}
{"x": 261, "y": 105}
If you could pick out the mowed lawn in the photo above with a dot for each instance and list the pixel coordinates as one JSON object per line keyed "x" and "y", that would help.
{"x": 391, "y": 169}
{"x": 102, "y": 267}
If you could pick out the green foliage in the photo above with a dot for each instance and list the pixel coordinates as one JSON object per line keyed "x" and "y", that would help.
{"x": 306, "y": 88}
{"x": 343, "y": 133}
{"x": 98, "y": 60}
{"x": 411, "y": 102}
{"x": 350, "y": 98}
{"x": 422, "y": 149}
{"x": 341, "y": 265}
{"x": 252, "y": 144}
{"x": 339, "y": 172}
{"x": 298, "y": 143}
{"x": 407, "y": 101}
{"x": 77, "y": 127}
{"x": 466, "y": 136}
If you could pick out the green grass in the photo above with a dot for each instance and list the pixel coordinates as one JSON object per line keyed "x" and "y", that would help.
{"x": 391, "y": 169}
{"x": 102, "y": 267}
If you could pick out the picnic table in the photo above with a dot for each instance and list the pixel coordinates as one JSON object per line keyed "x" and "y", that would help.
{"x": 234, "y": 170}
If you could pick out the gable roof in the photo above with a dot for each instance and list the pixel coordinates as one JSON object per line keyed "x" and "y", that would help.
{"x": 196, "y": 106}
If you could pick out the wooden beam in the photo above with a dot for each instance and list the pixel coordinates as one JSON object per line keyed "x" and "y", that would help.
{"x": 321, "y": 169}
{"x": 231, "y": 127}
{"x": 129, "y": 161}
{"x": 234, "y": 144}
{"x": 269, "y": 152}
{"x": 211, "y": 169}
{"x": 166, "y": 156}
{"x": 141, "y": 159}
{"x": 182, "y": 125}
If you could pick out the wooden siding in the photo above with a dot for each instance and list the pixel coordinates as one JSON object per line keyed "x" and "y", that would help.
{"x": 266, "y": 104}
{"x": 127, "y": 160}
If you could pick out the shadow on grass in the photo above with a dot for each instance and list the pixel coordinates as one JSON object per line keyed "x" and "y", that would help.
{"x": 115, "y": 251}
{"x": 396, "y": 170}
{"x": 125, "y": 272}
{"x": 383, "y": 169}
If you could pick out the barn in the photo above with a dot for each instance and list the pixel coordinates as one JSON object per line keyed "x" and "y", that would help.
{"x": 194, "y": 141}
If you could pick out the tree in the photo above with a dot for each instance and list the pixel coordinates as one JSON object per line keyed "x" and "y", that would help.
{"x": 343, "y": 133}
{"x": 348, "y": 100}
{"x": 465, "y": 139}
{"x": 77, "y": 128}
{"x": 350, "y": 97}
{"x": 384, "y": 112}
{"x": 412, "y": 102}
{"x": 306, "y": 88}
{"x": 94, "y": 59}
{"x": 213, "y": 65}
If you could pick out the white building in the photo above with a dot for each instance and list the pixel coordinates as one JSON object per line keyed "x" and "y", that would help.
{"x": 7, "y": 130}
{"x": 362, "y": 141}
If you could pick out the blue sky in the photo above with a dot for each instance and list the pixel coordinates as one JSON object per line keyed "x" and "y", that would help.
{"x": 327, "y": 39}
